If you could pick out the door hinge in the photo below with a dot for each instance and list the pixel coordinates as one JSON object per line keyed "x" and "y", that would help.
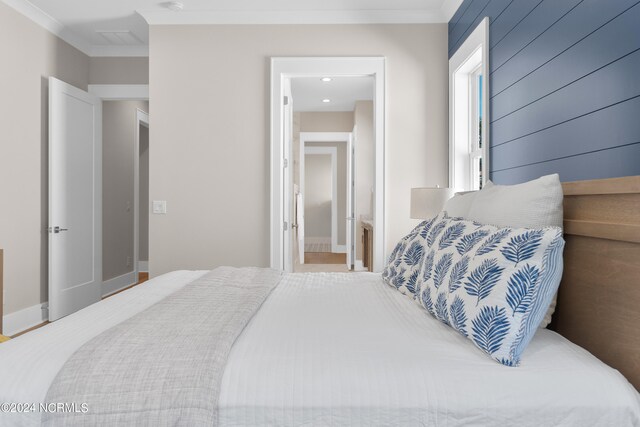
{"x": 285, "y": 163}
{"x": 286, "y": 226}
{"x": 286, "y": 100}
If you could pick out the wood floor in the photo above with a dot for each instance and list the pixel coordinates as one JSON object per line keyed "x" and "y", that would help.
{"x": 324, "y": 258}
{"x": 142, "y": 277}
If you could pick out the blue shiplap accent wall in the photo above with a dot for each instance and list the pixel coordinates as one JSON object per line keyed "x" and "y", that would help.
{"x": 565, "y": 86}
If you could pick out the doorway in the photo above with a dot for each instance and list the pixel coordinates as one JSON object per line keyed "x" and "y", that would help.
{"x": 283, "y": 70}
{"x": 141, "y": 197}
{"x": 336, "y": 247}
{"x": 125, "y": 129}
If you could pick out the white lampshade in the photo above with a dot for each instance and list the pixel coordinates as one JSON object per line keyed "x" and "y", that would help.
{"x": 428, "y": 202}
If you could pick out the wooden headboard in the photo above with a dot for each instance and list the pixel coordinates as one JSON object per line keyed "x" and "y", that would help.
{"x": 1, "y": 288}
{"x": 599, "y": 297}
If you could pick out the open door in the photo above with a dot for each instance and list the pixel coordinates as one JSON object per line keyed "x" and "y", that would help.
{"x": 351, "y": 201}
{"x": 75, "y": 199}
{"x": 287, "y": 181}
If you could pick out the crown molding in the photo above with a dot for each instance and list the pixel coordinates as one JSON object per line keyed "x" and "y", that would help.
{"x": 49, "y": 23}
{"x": 59, "y": 30}
{"x": 237, "y": 17}
{"x": 449, "y": 8}
{"x": 306, "y": 17}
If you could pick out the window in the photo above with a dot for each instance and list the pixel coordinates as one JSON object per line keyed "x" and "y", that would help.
{"x": 468, "y": 114}
{"x": 475, "y": 125}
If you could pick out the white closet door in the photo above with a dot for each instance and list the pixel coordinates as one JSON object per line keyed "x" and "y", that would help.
{"x": 75, "y": 199}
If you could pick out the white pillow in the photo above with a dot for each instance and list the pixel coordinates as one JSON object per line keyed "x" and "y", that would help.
{"x": 533, "y": 204}
{"x": 459, "y": 205}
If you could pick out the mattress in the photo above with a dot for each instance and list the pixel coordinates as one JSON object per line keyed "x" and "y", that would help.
{"x": 345, "y": 349}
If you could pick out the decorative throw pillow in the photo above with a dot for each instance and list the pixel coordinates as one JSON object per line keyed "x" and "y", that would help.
{"x": 493, "y": 285}
{"x": 405, "y": 262}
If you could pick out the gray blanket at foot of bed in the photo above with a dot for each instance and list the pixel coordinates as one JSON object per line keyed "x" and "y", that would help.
{"x": 162, "y": 367}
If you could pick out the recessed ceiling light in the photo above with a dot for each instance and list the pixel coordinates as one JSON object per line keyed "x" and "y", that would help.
{"x": 175, "y": 6}
{"x": 326, "y": 79}
{"x": 326, "y": 100}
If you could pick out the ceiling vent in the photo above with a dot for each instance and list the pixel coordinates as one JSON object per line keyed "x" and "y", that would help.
{"x": 119, "y": 38}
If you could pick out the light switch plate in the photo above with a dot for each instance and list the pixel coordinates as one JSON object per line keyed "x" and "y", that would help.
{"x": 159, "y": 207}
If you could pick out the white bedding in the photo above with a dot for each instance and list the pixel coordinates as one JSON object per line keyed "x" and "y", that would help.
{"x": 345, "y": 349}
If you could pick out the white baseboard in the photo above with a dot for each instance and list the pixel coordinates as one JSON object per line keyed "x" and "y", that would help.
{"x": 359, "y": 266}
{"x": 24, "y": 319}
{"x": 339, "y": 249}
{"x": 29, "y": 317}
{"x": 143, "y": 266}
{"x": 116, "y": 284}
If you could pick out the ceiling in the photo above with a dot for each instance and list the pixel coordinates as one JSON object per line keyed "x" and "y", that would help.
{"x": 121, "y": 27}
{"x": 343, "y": 92}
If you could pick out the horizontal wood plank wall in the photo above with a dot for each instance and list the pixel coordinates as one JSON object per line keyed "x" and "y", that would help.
{"x": 565, "y": 92}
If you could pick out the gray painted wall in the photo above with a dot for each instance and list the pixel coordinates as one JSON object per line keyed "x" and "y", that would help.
{"x": 317, "y": 203}
{"x": 144, "y": 203}
{"x": 214, "y": 136}
{"x": 30, "y": 54}
{"x": 114, "y": 70}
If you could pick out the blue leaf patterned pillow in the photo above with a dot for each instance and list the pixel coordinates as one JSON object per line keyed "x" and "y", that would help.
{"x": 492, "y": 285}
{"x": 403, "y": 268}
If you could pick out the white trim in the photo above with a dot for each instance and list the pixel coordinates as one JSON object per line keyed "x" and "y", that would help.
{"x": 278, "y": 17}
{"x": 120, "y": 92}
{"x": 283, "y": 68}
{"x": 359, "y": 266}
{"x": 143, "y": 266}
{"x": 142, "y": 118}
{"x": 21, "y": 320}
{"x": 49, "y": 23}
{"x": 116, "y": 284}
{"x": 476, "y": 45}
{"x": 449, "y": 8}
{"x": 60, "y": 30}
{"x": 333, "y": 152}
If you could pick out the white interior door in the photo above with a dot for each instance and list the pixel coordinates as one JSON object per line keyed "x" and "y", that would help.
{"x": 287, "y": 134}
{"x": 351, "y": 220}
{"x": 75, "y": 199}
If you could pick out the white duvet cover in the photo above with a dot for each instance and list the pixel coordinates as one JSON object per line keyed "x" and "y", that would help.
{"x": 345, "y": 349}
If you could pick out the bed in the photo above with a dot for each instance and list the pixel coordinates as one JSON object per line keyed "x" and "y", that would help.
{"x": 346, "y": 349}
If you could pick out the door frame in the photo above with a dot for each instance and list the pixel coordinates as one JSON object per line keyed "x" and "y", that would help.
{"x": 347, "y": 138}
{"x": 333, "y": 152}
{"x": 116, "y": 92}
{"x": 283, "y": 69}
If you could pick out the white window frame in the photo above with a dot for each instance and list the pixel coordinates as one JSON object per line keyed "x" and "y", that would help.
{"x": 471, "y": 59}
